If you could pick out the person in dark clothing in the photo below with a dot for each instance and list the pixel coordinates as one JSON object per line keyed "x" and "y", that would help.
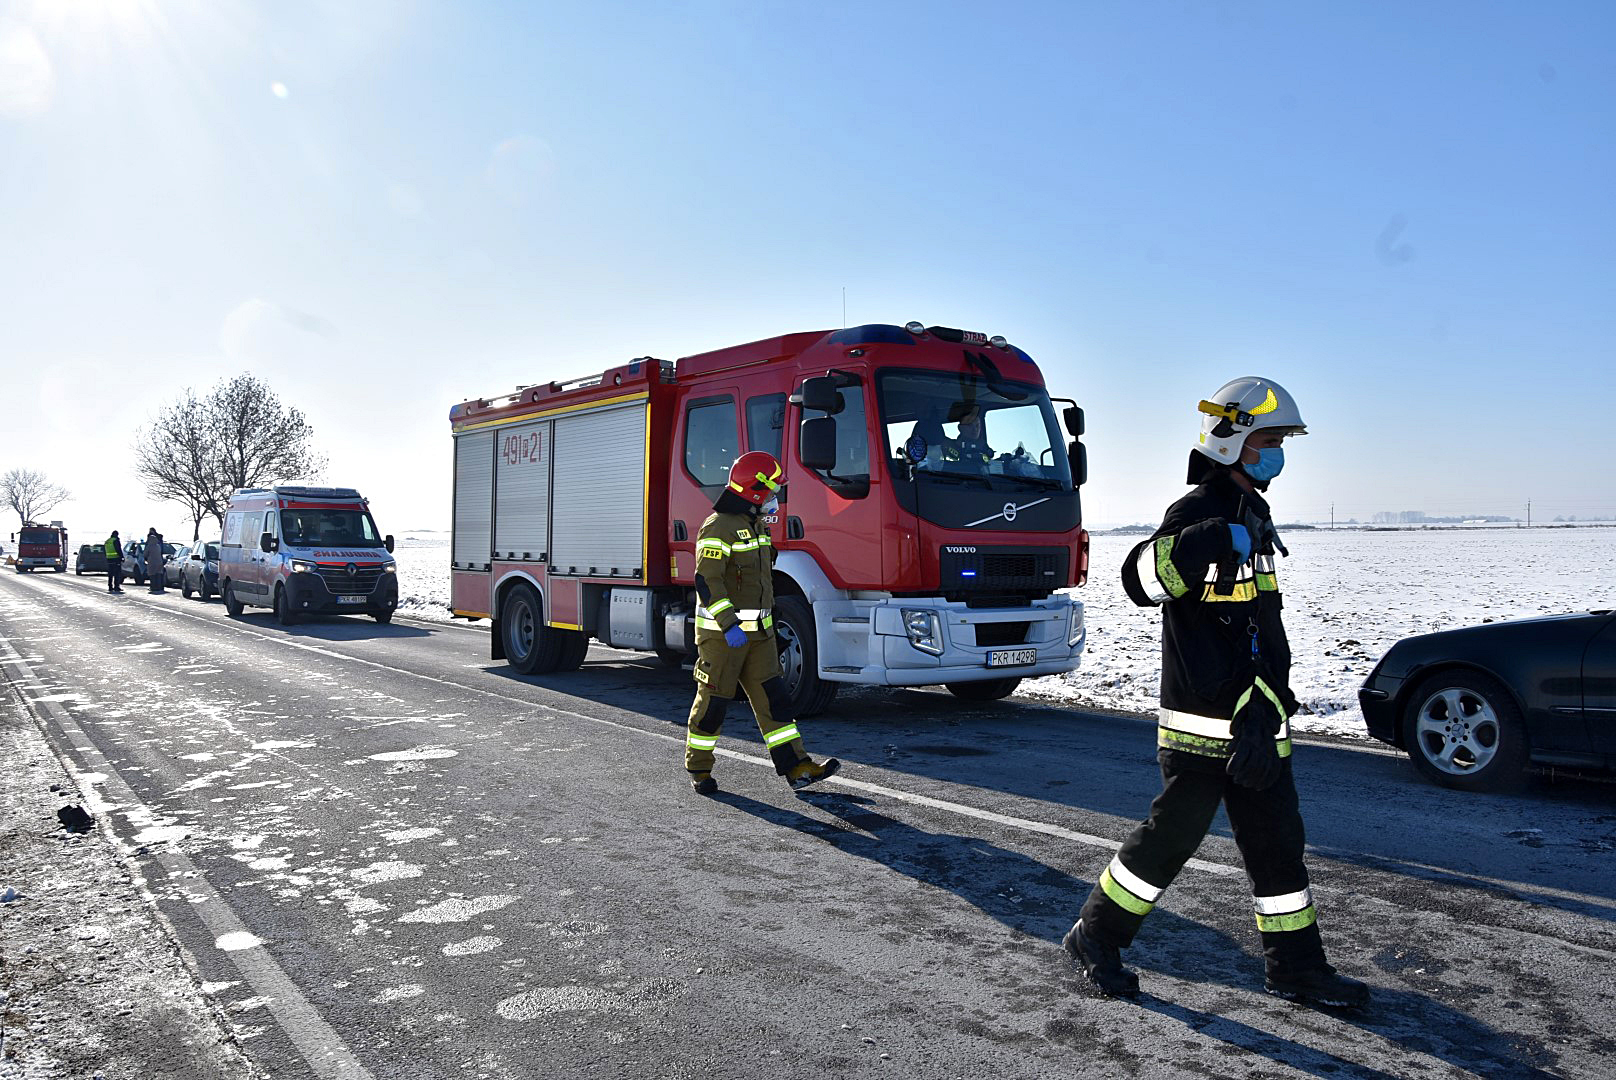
{"x": 114, "y": 549}
{"x": 1223, "y": 733}
{"x": 154, "y": 560}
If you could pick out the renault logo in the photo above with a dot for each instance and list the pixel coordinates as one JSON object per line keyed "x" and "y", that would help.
{"x": 353, "y": 571}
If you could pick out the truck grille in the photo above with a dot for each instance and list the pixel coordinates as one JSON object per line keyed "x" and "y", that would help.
{"x": 361, "y": 583}
{"x": 1037, "y": 569}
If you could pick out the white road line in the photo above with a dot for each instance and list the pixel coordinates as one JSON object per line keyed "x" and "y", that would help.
{"x": 964, "y": 810}
{"x": 318, "y": 1043}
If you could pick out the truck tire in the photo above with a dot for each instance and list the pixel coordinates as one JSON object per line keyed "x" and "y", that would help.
{"x": 671, "y": 658}
{"x": 530, "y": 647}
{"x": 574, "y": 647}
{"x": 283, "y": 608}
{"x": 806, "y": 693}
{"x": 232, "y": 606}
{"x": 984, "y": 689}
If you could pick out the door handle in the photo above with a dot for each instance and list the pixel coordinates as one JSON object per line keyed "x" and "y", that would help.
{"x": 794, "y": 529}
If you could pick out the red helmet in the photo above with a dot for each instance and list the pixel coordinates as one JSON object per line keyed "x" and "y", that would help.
{"x": 755, "y": 476}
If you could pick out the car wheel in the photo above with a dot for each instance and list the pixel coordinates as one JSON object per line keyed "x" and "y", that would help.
{"x": 78, "y": 571}
{"x": 383, "y": 617}
{"x": 185, "y": 587}
{"x": 1463, "y": 730}
{"x": 204, "y": 592}
{"x": 283, "y": 608}
{"x": 984, "y": 689}
{"x": 232, "y": 606}
{"x": 530, "y": 647}
{"x": 806, "y": 693}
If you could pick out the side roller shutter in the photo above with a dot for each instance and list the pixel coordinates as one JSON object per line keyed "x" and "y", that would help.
{"x": 599, "y": 477}
{"x": 473, "y": 499}
{"x": 522, "y": 479}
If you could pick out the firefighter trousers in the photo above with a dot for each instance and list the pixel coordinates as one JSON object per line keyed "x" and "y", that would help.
{"x": 1267, "y": 829}
{"x": 755, "y": 669}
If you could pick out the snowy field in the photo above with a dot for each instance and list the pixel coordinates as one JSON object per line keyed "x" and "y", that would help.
{"x": 1348, "y": 596}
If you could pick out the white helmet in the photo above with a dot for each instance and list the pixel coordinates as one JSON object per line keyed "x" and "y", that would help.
{"x": 1247, "y": 404}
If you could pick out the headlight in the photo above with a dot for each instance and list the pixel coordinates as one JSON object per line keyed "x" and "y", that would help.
{"x": 1074, "y": 627}
{"x": 301, "y": 567}
{"x": 925, "y": 630}
{"x": 390, "y": 568}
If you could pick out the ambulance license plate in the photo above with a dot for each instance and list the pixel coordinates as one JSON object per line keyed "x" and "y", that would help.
{"x": 351, "y": 599}
{"x": 1012, "y": 657}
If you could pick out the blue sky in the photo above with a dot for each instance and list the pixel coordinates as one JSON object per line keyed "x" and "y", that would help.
{"x": 1401, "y": 212}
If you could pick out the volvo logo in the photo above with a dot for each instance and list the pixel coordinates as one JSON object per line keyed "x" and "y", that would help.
{"x": 1008, "y": 513}
{"x": 954, "y": 549}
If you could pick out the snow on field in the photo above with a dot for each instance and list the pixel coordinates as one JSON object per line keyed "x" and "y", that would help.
{"x": 1349, "y": 594}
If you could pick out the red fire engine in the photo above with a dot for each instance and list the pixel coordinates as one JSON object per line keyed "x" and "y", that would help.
{"x": 930, "y": 522}
{"x": 41, "y": 547}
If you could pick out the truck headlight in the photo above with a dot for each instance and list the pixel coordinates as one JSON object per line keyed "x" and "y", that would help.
{"x": 301, "y": 567}
{"x": 925, "y": 630}
{"x": 390, "y": 568}
{"x": 1074, "y": 625}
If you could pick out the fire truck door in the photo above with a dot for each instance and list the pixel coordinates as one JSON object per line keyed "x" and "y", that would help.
{"x": 707, "y": 442}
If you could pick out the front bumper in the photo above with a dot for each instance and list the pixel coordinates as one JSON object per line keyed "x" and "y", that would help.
{"x": 1377, "y": 698}
{"x": 866, "y": 641}
{"x": 309, "y": 592}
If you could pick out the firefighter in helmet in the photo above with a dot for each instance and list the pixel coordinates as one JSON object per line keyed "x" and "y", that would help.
{"x": 1223, "y": 733}
{"x": 735, "y": 642}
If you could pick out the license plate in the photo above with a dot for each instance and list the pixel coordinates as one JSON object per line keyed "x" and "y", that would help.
{"x": 351, "y": 599}
{"x": 1012, "y": 657}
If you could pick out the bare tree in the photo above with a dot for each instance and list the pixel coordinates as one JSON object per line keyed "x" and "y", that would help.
{"x": 199, "y": 450}
{"x": 176, "y": 457}
{"x": 30, "y": 494}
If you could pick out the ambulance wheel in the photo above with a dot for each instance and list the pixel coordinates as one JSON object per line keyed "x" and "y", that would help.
{"x": 983, "y": 689}
{"x": 232, "y": 606}
{"x": 530, "y": 647}
{"x": 383, "y": 617}
{"x": 283, "y": 608}
{"x": 806, "y": 693}
{"x": 574, "y": 647}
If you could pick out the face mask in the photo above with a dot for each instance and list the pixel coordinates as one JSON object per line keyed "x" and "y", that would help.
{"x": 1267, "y": 465}
{"x": 772, "y": 507}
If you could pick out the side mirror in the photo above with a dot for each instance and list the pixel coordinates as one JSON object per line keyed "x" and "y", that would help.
{"x": 387, "y": 542}
{"x": 266, "y": 542}
{"x": 816, "y": 443}
{"x": 1077, "y": 455}
{"x": 1073, "y": 414}
{"x": 819, "y": 394}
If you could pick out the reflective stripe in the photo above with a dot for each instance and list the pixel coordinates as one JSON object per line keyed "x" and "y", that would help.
{"x": 1145, "y": 567}
{"x": 1168, "y": 739}
{"x": 701, "y": 742}
{"x": 715, "y": 608}
{"x": 713, "y": 547}
{"x": 1132, "y": 881}
{"x": 1166, "y": 572}
{"x": 1205, "y": 726}
{"x": 1267, "y": 583}
{"x": 751, "y": 545}
{"x": 780, "y": 735}
{"x": 1283, "y": 904}
{"x": 1120, "y": 896}
{"x": 1295, "y": 921}
{"x": 1268, "y": 693}
{"x": 1243, "y": 592}
{"x": 703, "y": 622}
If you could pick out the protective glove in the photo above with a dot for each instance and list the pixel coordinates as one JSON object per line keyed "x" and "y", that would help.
{"x": 1241, "y": 537}
{"x": 735, "y": 636}
{"x": 1254, "y": 760}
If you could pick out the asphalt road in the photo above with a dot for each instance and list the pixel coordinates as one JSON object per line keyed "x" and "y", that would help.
{"x": 389, "y": 857}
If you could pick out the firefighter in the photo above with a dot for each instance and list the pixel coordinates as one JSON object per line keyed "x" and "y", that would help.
{"x": 114, "y": 550}
{"x": 1223, "y": 733}
{"x": 735, "y": 641}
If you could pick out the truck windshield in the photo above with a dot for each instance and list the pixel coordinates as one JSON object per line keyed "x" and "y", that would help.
{"x": 955, "y": 427}
{"x": 37, "y": 536}
{"x": 328, "y": 528}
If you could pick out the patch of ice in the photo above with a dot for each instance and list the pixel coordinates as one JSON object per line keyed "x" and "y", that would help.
{"x": 283, "y": 744}
{"x": 378, "y": 872}
{"x": 204, "y": 756}
{"x": 398, "y": 993}
{"x": 471, "y": 946}
{"x": 419, "y": 753}
{"x": 457, "y": 909}
{"x": 237, "y": 941}
{"x": 405, "y": 835}
{"x": 556, "y": 999}
{"x": 216, "y": 987}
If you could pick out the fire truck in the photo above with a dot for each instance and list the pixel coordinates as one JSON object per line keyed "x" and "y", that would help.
{"x": 930, "y": 522}
{"x": 41, "y": 547}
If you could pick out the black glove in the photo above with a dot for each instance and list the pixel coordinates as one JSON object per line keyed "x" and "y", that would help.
{"x": 1254, "y": 755}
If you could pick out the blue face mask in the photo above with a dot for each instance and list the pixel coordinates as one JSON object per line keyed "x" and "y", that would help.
{"x": 1267, "y": 466}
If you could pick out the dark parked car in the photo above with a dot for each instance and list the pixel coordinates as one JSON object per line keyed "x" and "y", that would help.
{"x": 200, "y": 573}
{"x": 1474, "y": 706}
{"x": 91, "y": 559}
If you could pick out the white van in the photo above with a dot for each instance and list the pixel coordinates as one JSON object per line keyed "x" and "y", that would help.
{"x": 305, "y": 550}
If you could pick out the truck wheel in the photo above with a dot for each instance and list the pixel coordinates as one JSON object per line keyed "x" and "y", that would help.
{"x": 806, "y": 693}
{"x": 232, "y": 606}
{"x": 283, "y": 608}
{"x": 671, "y": 658}
{"x": 574, "y": 647}
{"x": 983, "y": 689}
{"x": 530, "y": 647}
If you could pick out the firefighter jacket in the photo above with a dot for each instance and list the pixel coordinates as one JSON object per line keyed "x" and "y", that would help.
{"x": 734, "y": 575}
{"x": 1222, "y": 638}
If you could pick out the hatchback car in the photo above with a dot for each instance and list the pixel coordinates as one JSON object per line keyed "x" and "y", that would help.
{"x": 200, "y": 573}
{"x": 1474, "y": 707}
{"x": 91, "y": 559}
{"x": 175, "y": 563}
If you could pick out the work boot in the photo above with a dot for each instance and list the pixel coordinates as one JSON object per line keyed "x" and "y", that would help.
{"x": 703, "y": 782}
{"x": 808, "y": 771}
{"x": 1100, "y": 962}
{"x": 1319, "y": 986}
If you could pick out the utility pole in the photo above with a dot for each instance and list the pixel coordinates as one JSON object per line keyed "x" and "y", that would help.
{"x": 1528, "y": 513}
{"x": 1332, "y": 516}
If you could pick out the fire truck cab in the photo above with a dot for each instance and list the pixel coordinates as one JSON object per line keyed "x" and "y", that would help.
{"x": 41, "y": 547}
{"x": 930, "y": 522}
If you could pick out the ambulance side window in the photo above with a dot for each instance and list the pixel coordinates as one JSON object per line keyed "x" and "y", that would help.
{"x": 270, "y": 525}
{"x": 232, "y": 529}
{"x": 766, "y": 424}
{"x": 712, "y": 442}
{"x": 252, "y": 525}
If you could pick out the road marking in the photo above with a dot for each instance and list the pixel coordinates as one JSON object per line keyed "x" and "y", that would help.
{"x": 326, "y": 1054}
{"x": 1043, "y": 828}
